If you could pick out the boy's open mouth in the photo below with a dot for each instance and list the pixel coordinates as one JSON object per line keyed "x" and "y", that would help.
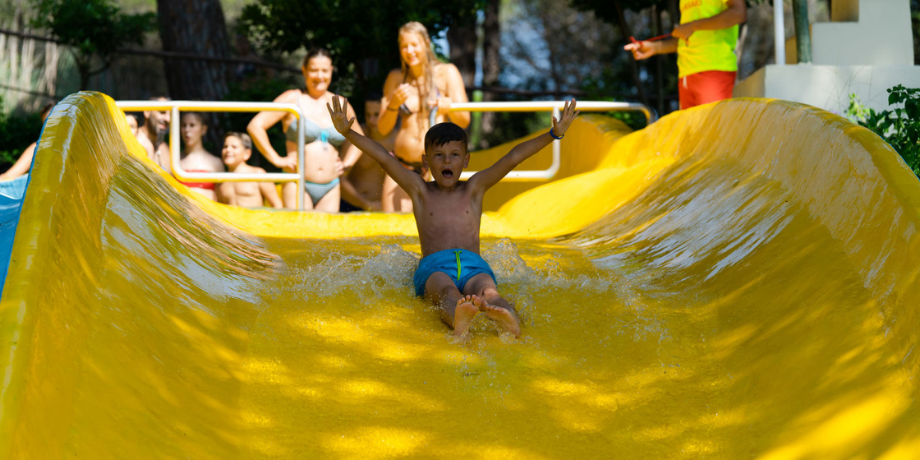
{"x": 447, "y": 174}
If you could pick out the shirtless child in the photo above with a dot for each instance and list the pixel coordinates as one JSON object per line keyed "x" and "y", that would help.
{"x": 366, "y": 176}
{"x": 448, "y": 213}
{"x": 237, "y": 149}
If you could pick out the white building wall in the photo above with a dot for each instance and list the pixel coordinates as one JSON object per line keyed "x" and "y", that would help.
{"x": 865, "y": 57}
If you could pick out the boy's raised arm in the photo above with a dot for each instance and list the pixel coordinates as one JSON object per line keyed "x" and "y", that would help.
{"x": 490, "y": 176}
{"x": 408, "y": 180}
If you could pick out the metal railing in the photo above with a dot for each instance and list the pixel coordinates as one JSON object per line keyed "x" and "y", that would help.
{"x": 198, "y": 106}
{"x": 546, "y": 106}
{"x": 513, "y": 176}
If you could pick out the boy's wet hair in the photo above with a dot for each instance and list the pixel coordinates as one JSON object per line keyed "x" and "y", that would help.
{"x": 243, "y": 137}
{"x": 373, "y": 96}
{"x": 443, "y": 133}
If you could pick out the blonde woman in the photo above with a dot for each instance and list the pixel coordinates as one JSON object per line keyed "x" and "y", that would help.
{"x": 422, "y": 85}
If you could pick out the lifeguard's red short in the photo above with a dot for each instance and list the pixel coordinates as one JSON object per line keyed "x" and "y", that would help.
{"x": 705, "y": 87}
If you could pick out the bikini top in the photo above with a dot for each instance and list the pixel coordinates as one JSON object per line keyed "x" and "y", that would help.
{"x": 312, "y": 132}
{"x": 405, "y": 110}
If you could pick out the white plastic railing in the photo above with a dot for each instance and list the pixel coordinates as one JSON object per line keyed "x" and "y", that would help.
{"x": 513, "y": 176}
{"x": 199, "y": 106}
{"x": 545, "y": 106}
{"x": 779, "y": 33}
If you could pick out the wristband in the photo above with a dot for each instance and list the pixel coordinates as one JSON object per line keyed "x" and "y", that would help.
{"x": 391, "y": 110}
{"x": 554, "y": 136}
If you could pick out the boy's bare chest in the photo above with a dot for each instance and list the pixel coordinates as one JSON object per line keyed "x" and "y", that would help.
{"x": 450, "y": 219}
{"x": 244, "y": 189}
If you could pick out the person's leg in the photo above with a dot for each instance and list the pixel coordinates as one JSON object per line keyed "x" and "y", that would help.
{"x": 289, "y": 196}
{"x": 456, "y": 310}
{"x": 394, "y": 198}
{"x": 498, "y": 309}
{"x": 404, "y": 203}
{"x": 685, "y": 93}
{"x": 330, "y": 201}
{"x": 387, "y": 199}
{"x": 714, "y": 85}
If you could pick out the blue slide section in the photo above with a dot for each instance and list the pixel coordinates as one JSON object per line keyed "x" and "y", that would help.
{"x": 11, "y": 195}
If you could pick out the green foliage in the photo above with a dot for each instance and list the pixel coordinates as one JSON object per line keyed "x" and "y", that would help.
{"x": 92, "y": 29}
{"x": 16, "y": 133}
{"x": 899, "y": 126}
{"x": 359, "y": 34}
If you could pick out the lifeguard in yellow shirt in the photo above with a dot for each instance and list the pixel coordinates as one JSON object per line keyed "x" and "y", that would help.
{"x": 705, "y": 45}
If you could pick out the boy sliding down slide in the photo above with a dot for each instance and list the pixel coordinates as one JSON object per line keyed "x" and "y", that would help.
{"x": 448, "y": 213}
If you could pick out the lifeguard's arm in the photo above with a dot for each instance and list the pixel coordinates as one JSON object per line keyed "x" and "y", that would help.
{"x": 646, "y": 49}
{"x": 258, "y": 129}
{"x": 457, "y": 93}
{"x": 411, "y": 182}
{"x": 734, "y": 15}
{"x": 22, "y": 165}
{"x": 270, "y": 194}
{"x": 389, "y": 115}
{"x": 490, "y": 176}
{"x": 352, "y": 153}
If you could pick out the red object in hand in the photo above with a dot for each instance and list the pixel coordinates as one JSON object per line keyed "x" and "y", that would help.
{"x": 653, "y": 39}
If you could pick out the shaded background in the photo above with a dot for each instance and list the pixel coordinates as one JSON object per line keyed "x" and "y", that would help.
{"x": 250, "y": 50}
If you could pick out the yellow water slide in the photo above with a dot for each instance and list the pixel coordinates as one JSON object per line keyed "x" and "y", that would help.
{"x": 740, "y": 280}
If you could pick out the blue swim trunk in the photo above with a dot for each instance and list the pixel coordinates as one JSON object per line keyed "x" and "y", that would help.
{"x": 459, "y": 264}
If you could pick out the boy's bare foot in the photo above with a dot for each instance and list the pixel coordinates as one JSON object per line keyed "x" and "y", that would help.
{"x": 467, "y": 308}
{"x": 505, "y": 320}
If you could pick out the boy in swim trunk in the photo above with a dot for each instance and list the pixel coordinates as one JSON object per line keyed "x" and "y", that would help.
{"x": 237, "y": 150}
{"x": 448, "y": 213}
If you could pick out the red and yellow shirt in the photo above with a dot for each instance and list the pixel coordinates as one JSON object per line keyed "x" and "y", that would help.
{"x": 706, "y": 49}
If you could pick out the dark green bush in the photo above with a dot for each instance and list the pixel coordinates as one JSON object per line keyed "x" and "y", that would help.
{"x": 16, "y": 133}
{"x": 899, "y": 126}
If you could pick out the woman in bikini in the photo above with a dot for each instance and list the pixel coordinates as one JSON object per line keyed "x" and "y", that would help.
{"x": 323, "y": 143}
{"x": 421, "y": 86}
{"x": 195, "y": 159}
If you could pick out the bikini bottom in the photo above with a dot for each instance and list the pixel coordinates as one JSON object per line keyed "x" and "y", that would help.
{"x": 318, "y": 191}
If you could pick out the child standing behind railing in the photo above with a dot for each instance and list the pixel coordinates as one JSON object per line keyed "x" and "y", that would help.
{"x": 237, "y": 149}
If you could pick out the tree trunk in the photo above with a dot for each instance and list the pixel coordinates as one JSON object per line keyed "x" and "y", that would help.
{"x": 802, "y": 31}
{"x": 462, "y": 40}
{"x": 491, "y": 58}
{"x": 195, "y": 27}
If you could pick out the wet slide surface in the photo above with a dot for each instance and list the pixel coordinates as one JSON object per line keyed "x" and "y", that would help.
{"x": 735, "y": 281}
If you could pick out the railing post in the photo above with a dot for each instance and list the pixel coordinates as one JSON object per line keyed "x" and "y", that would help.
{"x": 779, "y": 32}
{"x": 174, "y": 154}
{"x": 557, "y": 148}
{"x": 301, "y": 159}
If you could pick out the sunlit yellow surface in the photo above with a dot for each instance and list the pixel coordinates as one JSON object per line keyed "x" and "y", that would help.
{"x": 737, "y": 281}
